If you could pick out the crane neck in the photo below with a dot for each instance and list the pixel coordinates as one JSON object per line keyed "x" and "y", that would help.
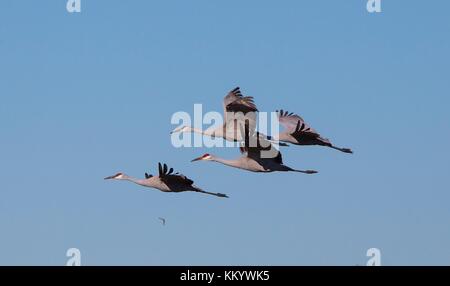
{"x": 208, "y": 132}
{"x": 136, "y": 181}
{"x": 236, "y": 163}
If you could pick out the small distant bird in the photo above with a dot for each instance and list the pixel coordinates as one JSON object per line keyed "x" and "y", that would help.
{"x": 163, "y": 220}
{"x": 299, "y": 133}
{"x": 167, "y": 181}
{"x": 261, "y": 156}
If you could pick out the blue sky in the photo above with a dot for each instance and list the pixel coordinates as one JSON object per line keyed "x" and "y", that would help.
{"x": 86, "y": 95}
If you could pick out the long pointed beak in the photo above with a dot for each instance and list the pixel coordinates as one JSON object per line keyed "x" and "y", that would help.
{"x": 196, "y": 159}
{"x": 176, "y": 130}
{"x": 109, "y": 178}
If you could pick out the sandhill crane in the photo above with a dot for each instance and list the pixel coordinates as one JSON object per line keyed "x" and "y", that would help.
{"x": 254, "y": 159}
{"x": 167, "y": 181}
{"x": 237, "y": 109}
{"x": 299, "y": 133}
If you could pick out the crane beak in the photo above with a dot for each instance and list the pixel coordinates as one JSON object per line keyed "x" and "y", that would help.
{"x": 197, "y": 159}
{"x": 176, "y": 130}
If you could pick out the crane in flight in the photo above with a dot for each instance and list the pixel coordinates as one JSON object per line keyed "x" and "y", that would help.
{"x": 259, "y": 155}
{"x": 237, "y": 110}
{"x": 297, "y": 132}
{"x": 166, "y": 181}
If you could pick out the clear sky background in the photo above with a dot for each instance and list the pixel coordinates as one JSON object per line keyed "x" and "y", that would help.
{"x": 83, "y": 96}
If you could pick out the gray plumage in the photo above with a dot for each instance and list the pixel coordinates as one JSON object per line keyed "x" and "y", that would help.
{"x": 298, "y": 132}
{"x": 261, "y": 156}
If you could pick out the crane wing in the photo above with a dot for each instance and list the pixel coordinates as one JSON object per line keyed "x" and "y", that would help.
{"x": 168, "y": 177}
{"x": 295, "y": 124}
{"x": 235, "y": 102}
{"x": 258, "y": 148}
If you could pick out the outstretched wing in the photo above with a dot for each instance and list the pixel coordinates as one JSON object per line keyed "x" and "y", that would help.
{"x": 167, "y": 176}
{"x": 259, "y": 148}
{"x": 238, "y": 110}
{"x": 236, "y": 102}
{"x": 295, "y": 124}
